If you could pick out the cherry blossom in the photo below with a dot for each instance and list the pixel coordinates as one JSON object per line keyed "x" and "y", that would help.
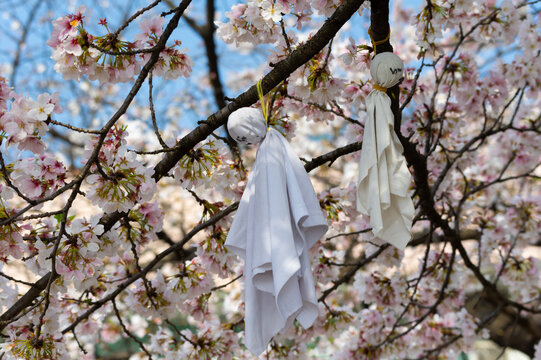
{"x": 39, "y": 176}
{"x": 115, "y": 212}
{"x": 109, "y": 59}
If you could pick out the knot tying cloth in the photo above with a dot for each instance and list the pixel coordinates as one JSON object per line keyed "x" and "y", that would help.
{"x": 380, "y": 88}
{"x": 379, "y": 42}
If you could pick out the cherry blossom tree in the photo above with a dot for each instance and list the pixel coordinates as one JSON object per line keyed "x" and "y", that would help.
{"x": 118, "y": 182}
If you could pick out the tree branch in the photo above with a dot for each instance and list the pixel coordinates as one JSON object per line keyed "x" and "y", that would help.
{"x": 22, "y": 40}
{"x": 279, "y": 73}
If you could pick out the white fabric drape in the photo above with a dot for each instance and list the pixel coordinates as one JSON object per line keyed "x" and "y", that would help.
{"x": 278, "y": 220}
{"x": 384, "y": 178}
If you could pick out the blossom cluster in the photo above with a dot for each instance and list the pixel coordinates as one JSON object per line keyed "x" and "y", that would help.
{"x": 119, "y": 181}
{"x": 108, "y": 59}
{"x": 11, "y": 240}
{"x": 252, "y": 23}
{"x": 196, "y": 167}
{"x": 38, "y": 176}
{"x": 78, "y": 256}
{"x": 215, "y": 255}
{"x": 145, "y": 221}
{"x": 24, "y": 121}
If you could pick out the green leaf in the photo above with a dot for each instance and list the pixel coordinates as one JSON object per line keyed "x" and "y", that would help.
{"x": 58, "y": 217}
{"x": 364, "y": 47}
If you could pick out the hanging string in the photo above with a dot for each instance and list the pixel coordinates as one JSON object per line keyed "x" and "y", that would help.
{"x": 379, "y": 42}
{"x": 264, "y": 102}
{"x": 374, "y": 45}
{"x": 380, "y": 88}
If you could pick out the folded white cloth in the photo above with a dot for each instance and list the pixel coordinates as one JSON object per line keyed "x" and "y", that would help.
{"x": 384, "y": 178}
{"x": 277, "y": 222}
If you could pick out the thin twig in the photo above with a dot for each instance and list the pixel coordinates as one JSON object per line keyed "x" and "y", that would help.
{"x": 127, "y": 332}
{"x": 226, "y": 284}
{"x": 153, "y": 113}
{"x": 74, "y": 128}
{"x": 349, "y": 234}
{"x": 22, "y": 40}
{"x": 10, "y": 278}
{"x": 131, "y": 18}
{"x": 79, "y": 343}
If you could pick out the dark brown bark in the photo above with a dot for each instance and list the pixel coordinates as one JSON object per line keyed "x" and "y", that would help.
{"x": 379, "y": 24}
{"x": 210, "y": 48}
{"x": 508, "y": 328}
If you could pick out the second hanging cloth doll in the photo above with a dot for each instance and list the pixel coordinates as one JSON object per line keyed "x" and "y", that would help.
{"x": 384, "y": 178}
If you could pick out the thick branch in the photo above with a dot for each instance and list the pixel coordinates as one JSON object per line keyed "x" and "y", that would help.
{"x": 280, "y": 72}
{"x": 330, "y": 157}
{"x": 210, "y": 48}
{"x": 379, "y": 23}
